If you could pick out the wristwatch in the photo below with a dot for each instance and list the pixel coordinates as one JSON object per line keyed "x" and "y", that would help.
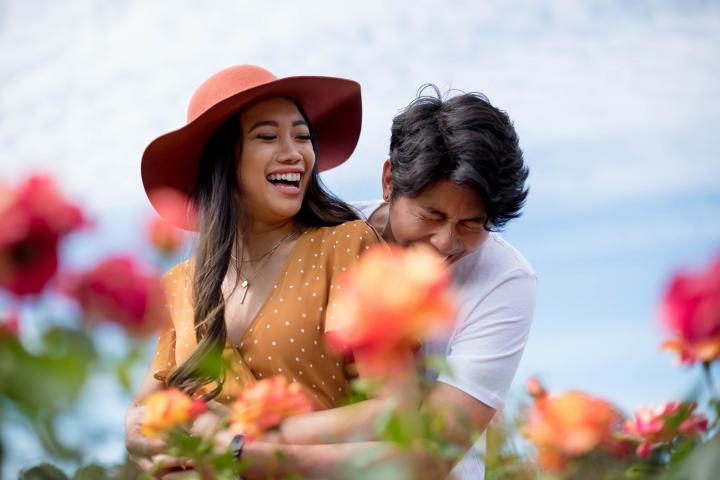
{"x": 236, "y": 446}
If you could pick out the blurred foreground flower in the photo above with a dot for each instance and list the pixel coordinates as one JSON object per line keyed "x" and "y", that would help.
{"x": 167, "y": 409}
{"x": 10, "y": 325}
{"x": 33, "y": 218}
{"x": 390, "y": 299}
{"x": 691, "y": 311}
{"x": 535, "y": 388}
{"x": 163, "y": 231}
{"x": 656, "y": 426}
{"x": 568, "y": 426}
{"x": 119, "y": 291}
{"x": 265, "y": 404}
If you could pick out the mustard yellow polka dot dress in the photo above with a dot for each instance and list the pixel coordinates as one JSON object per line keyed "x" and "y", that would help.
{"x": 286, "y": 336}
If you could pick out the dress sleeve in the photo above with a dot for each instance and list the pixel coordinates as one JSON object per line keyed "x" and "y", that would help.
{"x": 354, "y": 239}
{"x": 164, "y": 358}
{"x": 484, "y": 353}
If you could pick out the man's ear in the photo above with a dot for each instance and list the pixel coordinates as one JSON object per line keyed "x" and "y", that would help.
{"x": 387, "y": 181}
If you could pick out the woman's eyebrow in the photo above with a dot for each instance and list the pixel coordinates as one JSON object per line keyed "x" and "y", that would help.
{"x": 262, "y": 123}
{"x": 273, "y": 123}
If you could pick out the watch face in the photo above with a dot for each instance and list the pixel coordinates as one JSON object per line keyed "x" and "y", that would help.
{"x": 236, "y": 445}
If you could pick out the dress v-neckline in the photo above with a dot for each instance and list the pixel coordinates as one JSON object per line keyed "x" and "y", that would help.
{"x": 278, "y": 280}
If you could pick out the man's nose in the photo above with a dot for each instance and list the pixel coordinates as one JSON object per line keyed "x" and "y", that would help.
{"x": 445, "y": 241}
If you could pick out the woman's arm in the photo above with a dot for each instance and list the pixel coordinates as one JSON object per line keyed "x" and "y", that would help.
{"x": 398, "y": 391}
{"x": 140, "y": 447}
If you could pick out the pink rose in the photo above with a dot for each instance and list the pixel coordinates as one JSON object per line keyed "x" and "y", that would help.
{"x": 691, "y": 311}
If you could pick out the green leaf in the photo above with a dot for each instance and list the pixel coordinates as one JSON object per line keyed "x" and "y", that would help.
{"x": 90, "y": 472}
{"x": 43, "y": 472}
{"x": 124, "y": 368}
{"x": 439, "y": 364}
{"x": 702, "y": 464}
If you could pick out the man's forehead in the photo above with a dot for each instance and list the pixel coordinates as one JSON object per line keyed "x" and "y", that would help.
{"x": 451, "y": 200}
{"x": 474, "y": 212}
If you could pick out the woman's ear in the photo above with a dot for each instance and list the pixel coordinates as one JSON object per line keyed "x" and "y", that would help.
{"x": 387, "y": 181}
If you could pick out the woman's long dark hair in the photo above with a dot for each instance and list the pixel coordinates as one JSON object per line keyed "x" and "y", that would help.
{"x": 216, "y": 196}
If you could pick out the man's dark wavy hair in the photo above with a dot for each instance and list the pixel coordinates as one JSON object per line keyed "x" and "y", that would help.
{"x": 463, "y": 139}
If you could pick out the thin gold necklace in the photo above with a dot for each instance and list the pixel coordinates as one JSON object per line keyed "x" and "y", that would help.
{"x": 264, "y": 258}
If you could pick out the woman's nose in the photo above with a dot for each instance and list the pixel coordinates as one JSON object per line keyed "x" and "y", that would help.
{"x": 290, "y": 153}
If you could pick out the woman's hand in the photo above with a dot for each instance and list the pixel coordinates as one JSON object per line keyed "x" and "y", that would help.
{"x": 211, "y": 421}
{"x": 140, "y": 447}
{"x": 167, "y": 467}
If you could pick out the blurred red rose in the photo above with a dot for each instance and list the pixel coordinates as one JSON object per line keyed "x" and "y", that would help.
{"x": 120, "y": 291}
{"x": 658, "y": 425}
{"x": 389, "y": 300}
{"x": 33, "y": 218}
{"x": 163, "y": 231}
{"x": 691, "y": 311}
{"x": 10, "y": 324}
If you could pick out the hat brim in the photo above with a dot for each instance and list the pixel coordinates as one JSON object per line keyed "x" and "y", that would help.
{"x": 333, "y": 107}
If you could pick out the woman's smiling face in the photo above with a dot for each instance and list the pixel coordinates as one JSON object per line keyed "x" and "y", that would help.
{"x": 275, "y": 160}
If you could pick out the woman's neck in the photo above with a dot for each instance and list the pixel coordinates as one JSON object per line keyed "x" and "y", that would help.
{"x": 259, "y": 237}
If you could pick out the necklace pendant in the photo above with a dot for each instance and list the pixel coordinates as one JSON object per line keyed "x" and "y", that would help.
{"x": 245, "y": 285}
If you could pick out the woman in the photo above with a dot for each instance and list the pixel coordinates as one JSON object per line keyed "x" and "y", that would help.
{"x": 258, "y": 293}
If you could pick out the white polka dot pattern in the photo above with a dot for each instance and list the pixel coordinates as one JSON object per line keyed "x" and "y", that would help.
{"x": 292, "y": 325}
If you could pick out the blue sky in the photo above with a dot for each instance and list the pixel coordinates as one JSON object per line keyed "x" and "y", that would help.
{"x": 615, "y": 103}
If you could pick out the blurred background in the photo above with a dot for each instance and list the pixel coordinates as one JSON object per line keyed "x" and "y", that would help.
{"x": 617, "y": 104}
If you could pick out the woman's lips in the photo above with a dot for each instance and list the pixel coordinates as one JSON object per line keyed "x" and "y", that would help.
{"x": 286, "y": 188}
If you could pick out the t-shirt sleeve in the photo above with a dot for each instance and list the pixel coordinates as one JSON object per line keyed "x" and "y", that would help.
{"x": 164, "y": 358}
{"x": 485, "y": 351}
{"x": 354, "y": 239}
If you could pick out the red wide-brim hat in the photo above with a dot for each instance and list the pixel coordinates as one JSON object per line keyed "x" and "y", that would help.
{"x": 332, "y": 105}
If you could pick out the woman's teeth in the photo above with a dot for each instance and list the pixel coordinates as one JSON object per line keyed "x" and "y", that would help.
{"x": 287, "y": 177}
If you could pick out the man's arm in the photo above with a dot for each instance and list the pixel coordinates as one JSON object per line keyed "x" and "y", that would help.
{"x": 464, "y": 417}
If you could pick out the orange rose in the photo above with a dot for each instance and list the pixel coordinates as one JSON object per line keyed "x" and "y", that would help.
{"x": 167, "y": 409}
{"x": 175, "y": 209}
{"x": 265, "y": 404}
{"x": 392, "y": 298}
{"x": 567, "y": 426}
{"x": 535, "y": 388}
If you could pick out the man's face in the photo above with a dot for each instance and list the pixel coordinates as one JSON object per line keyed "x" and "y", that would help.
{"x": 448, "y": 217}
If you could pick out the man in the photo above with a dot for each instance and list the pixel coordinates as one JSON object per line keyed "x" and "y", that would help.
{"x": 455, "y": 176}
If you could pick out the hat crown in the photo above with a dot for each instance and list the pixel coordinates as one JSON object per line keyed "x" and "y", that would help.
{"x": 225, "y": 84}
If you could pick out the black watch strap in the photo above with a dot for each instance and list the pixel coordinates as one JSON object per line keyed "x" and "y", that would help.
{"x": 236, "y": 446}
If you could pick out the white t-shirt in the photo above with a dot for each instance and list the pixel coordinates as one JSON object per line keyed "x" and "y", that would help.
{"x": 497, "y": 291}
